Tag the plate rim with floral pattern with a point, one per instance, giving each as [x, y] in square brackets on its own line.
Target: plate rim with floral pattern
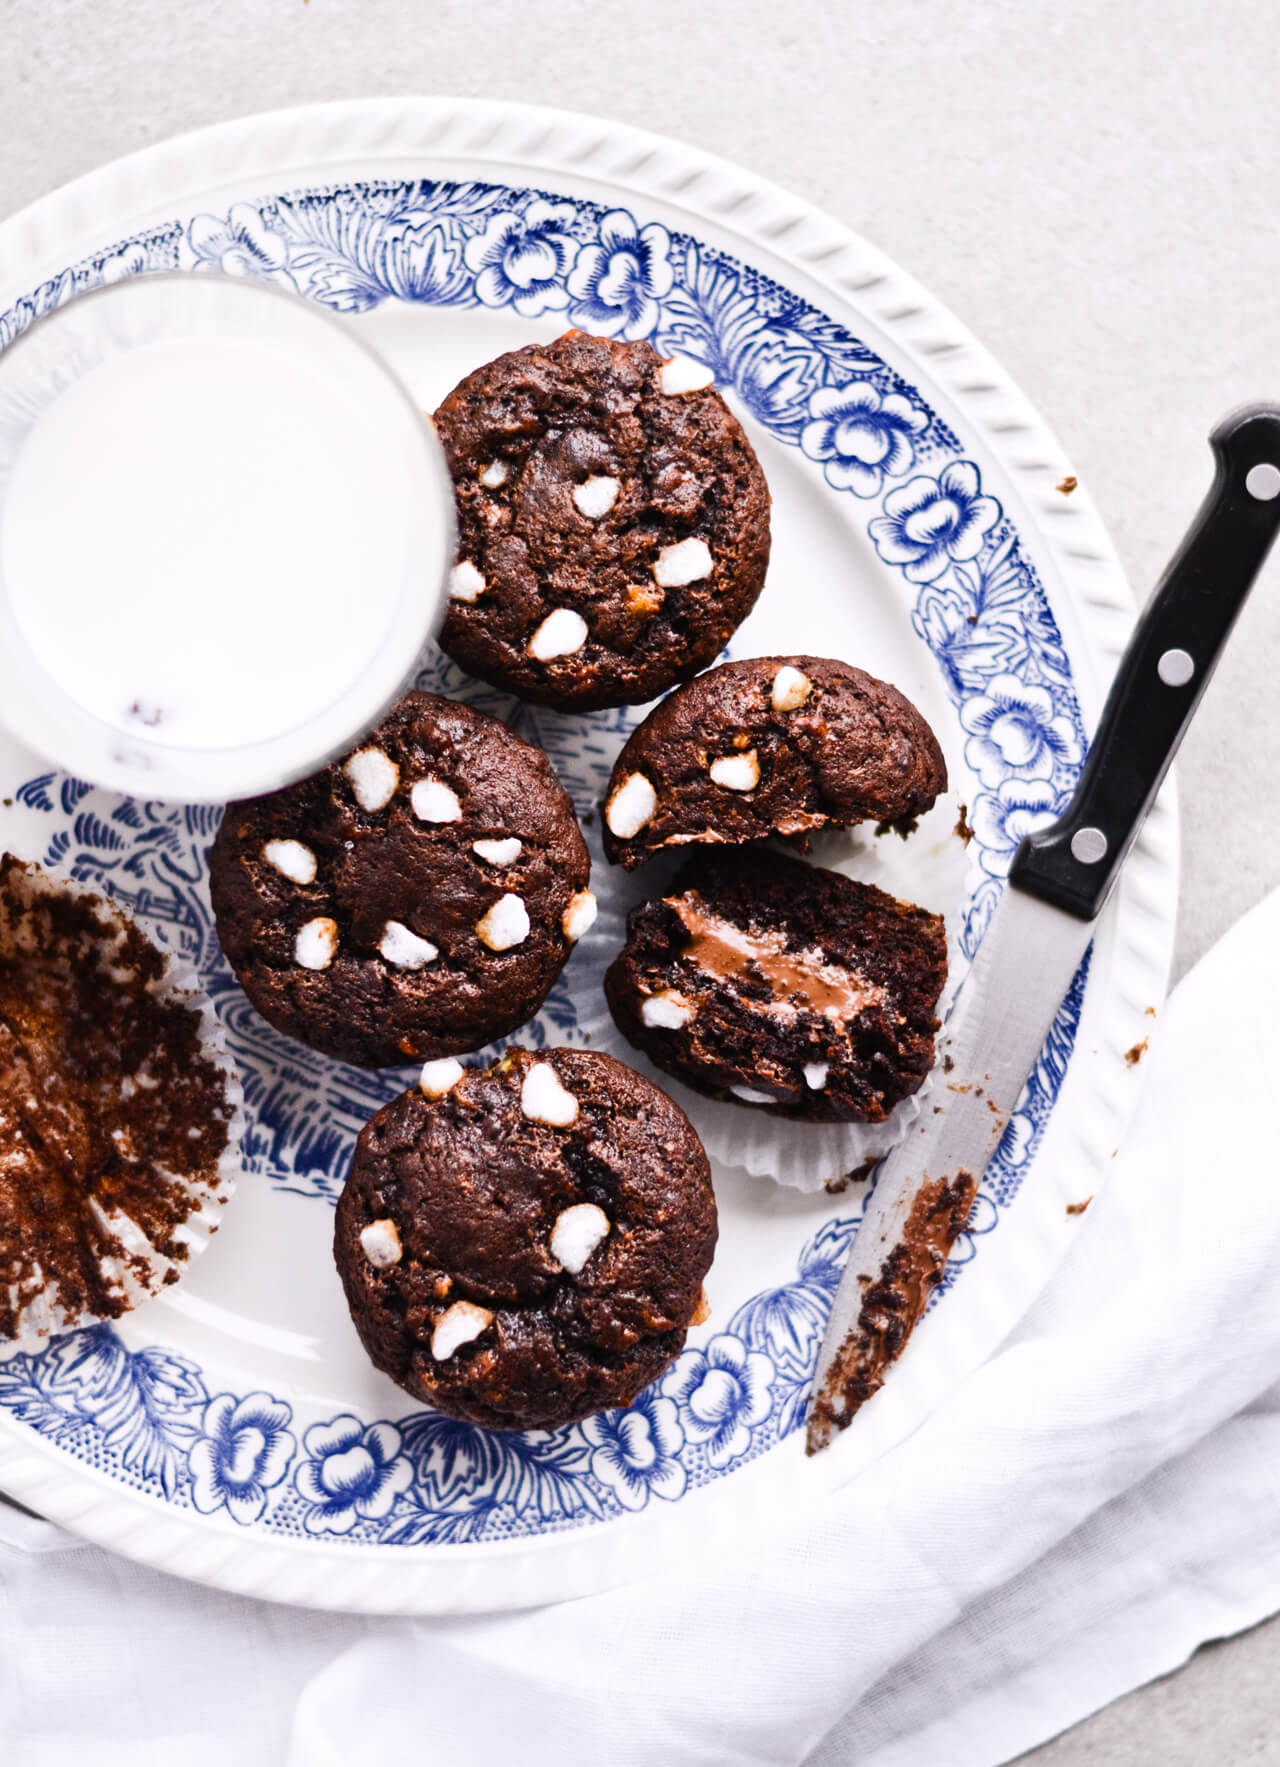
[481, 203]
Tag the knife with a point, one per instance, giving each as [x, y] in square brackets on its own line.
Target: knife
[1059, 881]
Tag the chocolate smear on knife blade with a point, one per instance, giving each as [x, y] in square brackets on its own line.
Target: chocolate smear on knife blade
[892, 1305]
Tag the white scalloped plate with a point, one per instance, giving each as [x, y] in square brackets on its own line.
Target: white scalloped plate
[232, 1431]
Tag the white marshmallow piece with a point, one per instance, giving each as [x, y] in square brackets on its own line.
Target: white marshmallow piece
[465, 582]
[316, 945]
[374, 778]
[737, 772]
[577, 1232]
[434, 801]
[439, 1077]
[791, 688]
[562, 633]
[681, 374]
[292, 860]
[458, 1325]
[544, 1100]
[666, 1011]
[401, 946]
[496, 473]
[631, 806]
[506, 924]
[815, 1075]
[580, 915]
[380, 1243]
[749, 1095]
[504, 852]
[596, 496]
[688, 561]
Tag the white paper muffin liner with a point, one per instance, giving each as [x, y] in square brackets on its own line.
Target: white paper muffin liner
[42, 1313]
[927, 869]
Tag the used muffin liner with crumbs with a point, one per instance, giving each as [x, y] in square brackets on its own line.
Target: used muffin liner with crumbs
[138, 1269]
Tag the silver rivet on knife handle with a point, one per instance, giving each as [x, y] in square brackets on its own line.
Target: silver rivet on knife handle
[1088, 845]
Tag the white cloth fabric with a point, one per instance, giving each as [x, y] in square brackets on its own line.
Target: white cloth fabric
[1098, 1499]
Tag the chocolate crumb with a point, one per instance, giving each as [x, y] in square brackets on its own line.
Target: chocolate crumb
[837, 1186]
[904, 827]
[947, 1064]
[1134, 1056]
[1079, 1208]
[1068, 484]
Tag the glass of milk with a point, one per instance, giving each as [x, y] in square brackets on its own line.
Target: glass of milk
[225, 532]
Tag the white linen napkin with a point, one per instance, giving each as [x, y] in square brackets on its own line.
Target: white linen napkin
[1095, 1501]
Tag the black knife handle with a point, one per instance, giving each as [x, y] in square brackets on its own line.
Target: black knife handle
[1164, 671]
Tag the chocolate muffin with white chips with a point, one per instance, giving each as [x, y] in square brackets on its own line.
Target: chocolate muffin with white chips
[417, 898]
[765, 982]
[613, 522]
[526, 1244]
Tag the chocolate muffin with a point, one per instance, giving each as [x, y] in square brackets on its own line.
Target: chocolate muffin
[768, 982]
[418, 898]
[613, 522]
[770, 746]
[525, 1244]
[119, 1109]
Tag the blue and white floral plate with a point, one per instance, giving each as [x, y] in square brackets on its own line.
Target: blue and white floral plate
[232, 1431]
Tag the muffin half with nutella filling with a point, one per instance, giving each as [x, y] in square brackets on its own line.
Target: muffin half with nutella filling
[763, 981]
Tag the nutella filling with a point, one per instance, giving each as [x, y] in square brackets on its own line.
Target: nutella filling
[802, 981]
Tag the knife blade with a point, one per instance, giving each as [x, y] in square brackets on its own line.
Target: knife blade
[1059, 881]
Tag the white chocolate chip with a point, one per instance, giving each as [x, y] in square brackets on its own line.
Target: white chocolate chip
[506, 924]
[749, 1095]
[404, 948]
[790, 689]
[316, 945]
[737, 772]
[292, 860]
[498, 852]
[681, 374]
[595, 497]
[688, 561]
[439, 1077]
[580, 915]
[434, 801]
[815, 1075]
[544, 1100]
[457, 1325]
[562, 633]
[577, 1232]
[631, 806]
[374, 778]
[666, 1011]
[496, 473]
[465, 582]
[380, 1243]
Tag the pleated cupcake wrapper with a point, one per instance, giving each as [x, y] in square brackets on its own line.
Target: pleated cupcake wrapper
[927, 869]
[42, 1313]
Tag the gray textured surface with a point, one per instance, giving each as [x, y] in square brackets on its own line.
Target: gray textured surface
[1090, 186]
